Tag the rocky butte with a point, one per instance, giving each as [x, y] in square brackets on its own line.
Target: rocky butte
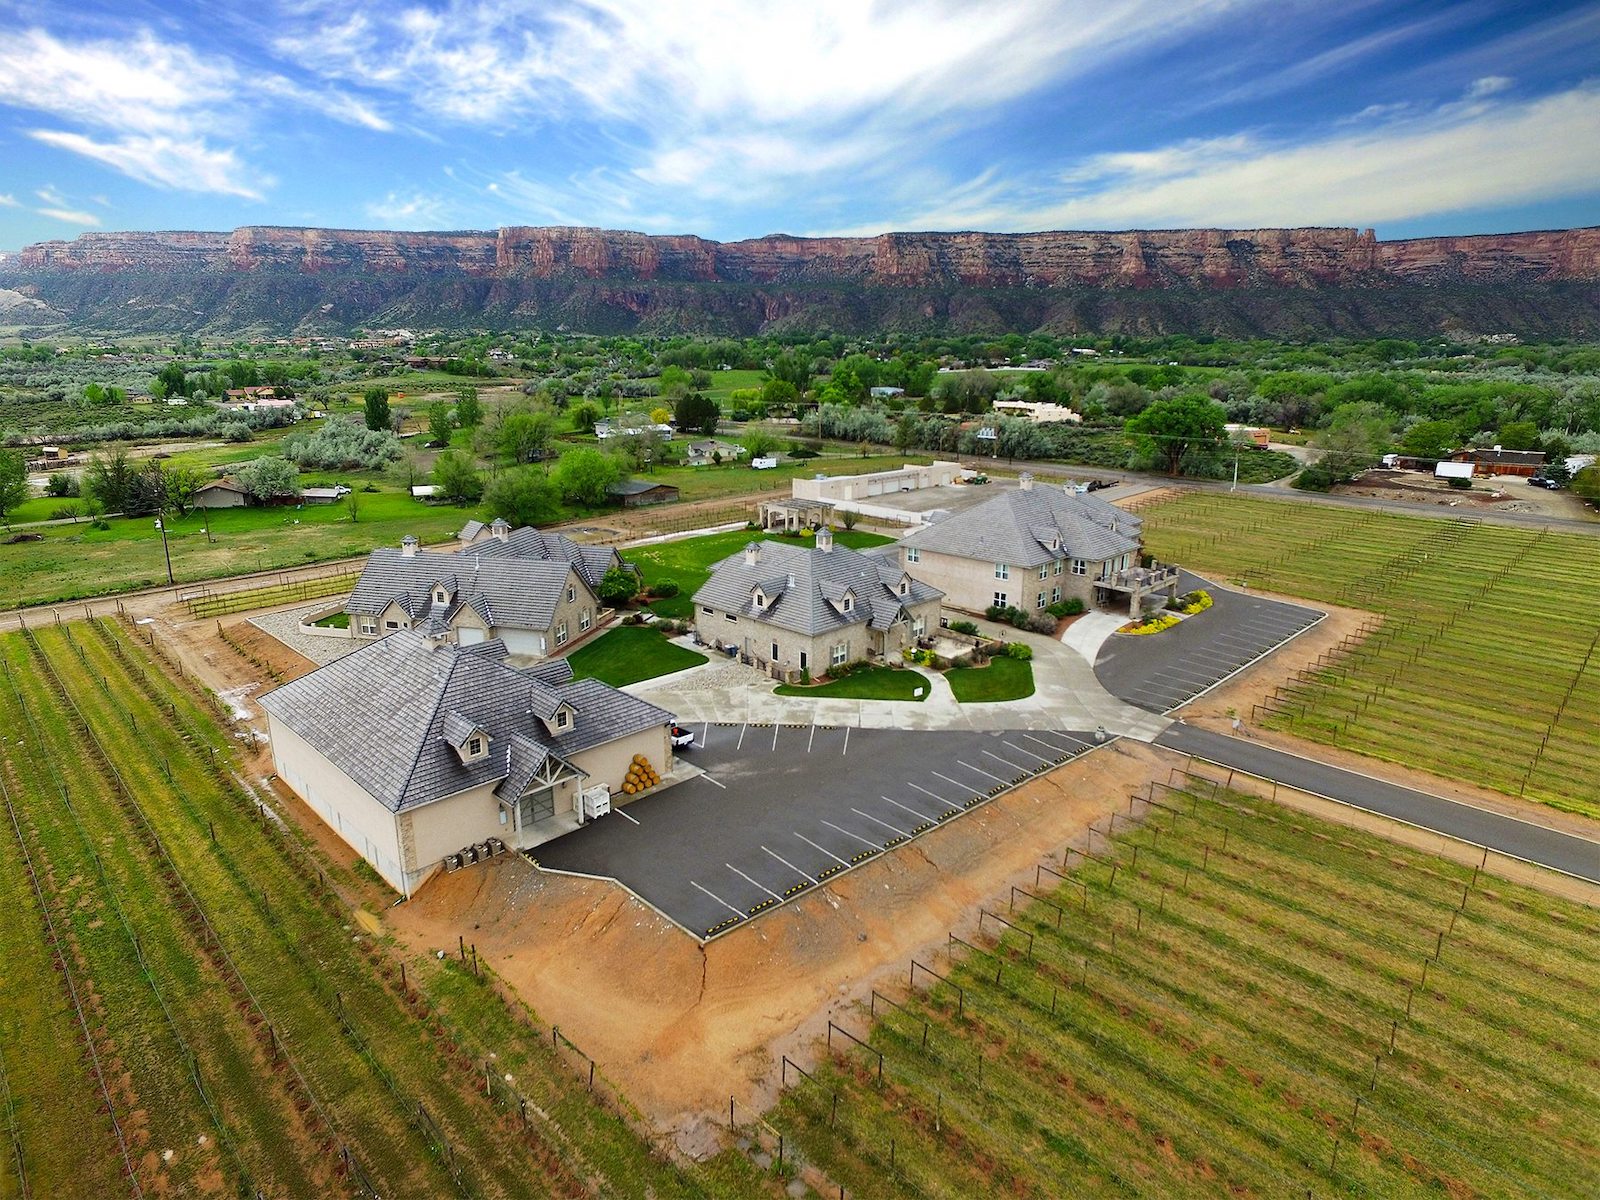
[1283, 282]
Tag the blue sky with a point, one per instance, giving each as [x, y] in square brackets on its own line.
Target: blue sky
[732, 120]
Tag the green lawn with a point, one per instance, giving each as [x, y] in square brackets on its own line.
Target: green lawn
[688, 562]
[77, 560]
[871, 683]
[1002, 679]
[628, 654]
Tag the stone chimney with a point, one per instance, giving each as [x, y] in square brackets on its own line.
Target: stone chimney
[1025, 481]
[825, 540]
[408, 546]
[752, 554]
[500, 529]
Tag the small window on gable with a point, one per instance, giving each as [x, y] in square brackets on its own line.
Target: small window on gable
[474, 747]
[759, 598]
[572, 594]
[441, 596]
[905, 588]
[848, 604]
[563, 718]
[391, 624]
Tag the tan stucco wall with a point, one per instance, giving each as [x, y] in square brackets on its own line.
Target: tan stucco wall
[861, 641]
[970, 585]
[347, 808]
[877, 483]
[451, 824]
[608, 764]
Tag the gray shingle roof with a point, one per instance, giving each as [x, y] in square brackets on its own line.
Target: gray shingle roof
[385, 716]
[507, 591]
[591, 562]
[1014, 527]
[814, 583]
[470, 530]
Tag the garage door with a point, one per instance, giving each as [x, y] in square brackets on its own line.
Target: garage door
[523, 641]
[536, 806]
[469, 636]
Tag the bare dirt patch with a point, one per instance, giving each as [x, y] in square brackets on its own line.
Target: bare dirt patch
[680, 1027]
[1495, 493]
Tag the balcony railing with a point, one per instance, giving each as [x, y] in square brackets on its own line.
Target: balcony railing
[1140, 579]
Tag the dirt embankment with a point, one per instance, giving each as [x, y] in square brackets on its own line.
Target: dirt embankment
[681, 1027]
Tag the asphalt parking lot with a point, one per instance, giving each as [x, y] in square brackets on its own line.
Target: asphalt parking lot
[783, 808]
[1161, 671]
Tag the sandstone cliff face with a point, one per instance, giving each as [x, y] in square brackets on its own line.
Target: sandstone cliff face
[1202, 280]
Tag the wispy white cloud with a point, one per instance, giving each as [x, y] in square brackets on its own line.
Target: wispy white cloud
[187, 164]
[1488, 85]
[9, 201]
[68, 216]
[413, 210]
[1387, 172]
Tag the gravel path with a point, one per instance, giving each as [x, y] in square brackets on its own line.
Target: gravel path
[285, 626]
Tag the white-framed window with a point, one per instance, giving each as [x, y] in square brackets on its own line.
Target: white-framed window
[583, 620]
[919, 626]
[1079, 567]
[913, 554]
[905, 588]
[705, 610]
[1002, 571]
[804, 661]
[836, 658]
[1001, 600]
[730, 617]
[1040, 602]
[474, 747]
[775, 654]
[563, 718]
[369, 627]
[572, 594]
[848, 604]
[441, 596]
[1055, 594]
[391, 624]
[1044, 570]
[1056, 567]
[561, 634]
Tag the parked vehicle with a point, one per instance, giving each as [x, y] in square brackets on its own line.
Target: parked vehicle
[764, 462]
[1544, 481]
[682, 738]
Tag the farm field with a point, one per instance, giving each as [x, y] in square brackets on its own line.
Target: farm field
[197, 1012]
[1227, 999]
[1486, 666]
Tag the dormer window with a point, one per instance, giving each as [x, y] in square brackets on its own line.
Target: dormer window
[440, 596]
[563, 718]
[474, 747]
[848, 604]
[758, 598]
[905, 588]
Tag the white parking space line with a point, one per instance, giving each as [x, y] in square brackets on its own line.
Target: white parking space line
[998, 759]
[757, 882]
[739, 745]
[811, 739]
[705, 734]
[790, 865]
[1029, 753]
[848, 834]
[1048, 745]
[926, 792]
[623, 813]
[907, 808]
[708, 779]
[721, 901]
[885, 824]
[824, 849]
[775, 728]
[846, 749]
[964, 787]
[981, 771]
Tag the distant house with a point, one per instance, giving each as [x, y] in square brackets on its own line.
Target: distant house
[424, 491]
[324, 495]
[534, 597]
[637, 493]
[252, 398]
[793, 609]
[883, 393]
[220, 493]
[412, 749]
[1039, 412]
[1496, 461]
[1034, 547]
[713, 450]
[1453, 470]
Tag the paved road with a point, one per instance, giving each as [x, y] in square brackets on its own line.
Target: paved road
[1505, 835]
[1160, 671]
[782, 807]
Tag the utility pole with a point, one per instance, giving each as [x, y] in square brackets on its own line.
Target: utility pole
[165, 549]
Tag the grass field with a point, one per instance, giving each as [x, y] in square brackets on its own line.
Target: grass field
[630, 653]
[1002, 679]
[1486, 668]
[238, 1031]
[869, 683]
[688, 561]
[1279, 1017]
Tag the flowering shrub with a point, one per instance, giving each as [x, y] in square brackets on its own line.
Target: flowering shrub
[923, 658]
[1195, 602]
[1153, 624]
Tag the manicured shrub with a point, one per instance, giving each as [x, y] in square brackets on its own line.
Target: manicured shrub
[1041, 622]
[1018, 650]
[966, 627]
[664, 589]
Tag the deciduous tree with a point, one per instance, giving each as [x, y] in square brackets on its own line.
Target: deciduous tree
[523, 496]
[1170, 430]
[13, 480]
[375, 408]
[583, 475]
